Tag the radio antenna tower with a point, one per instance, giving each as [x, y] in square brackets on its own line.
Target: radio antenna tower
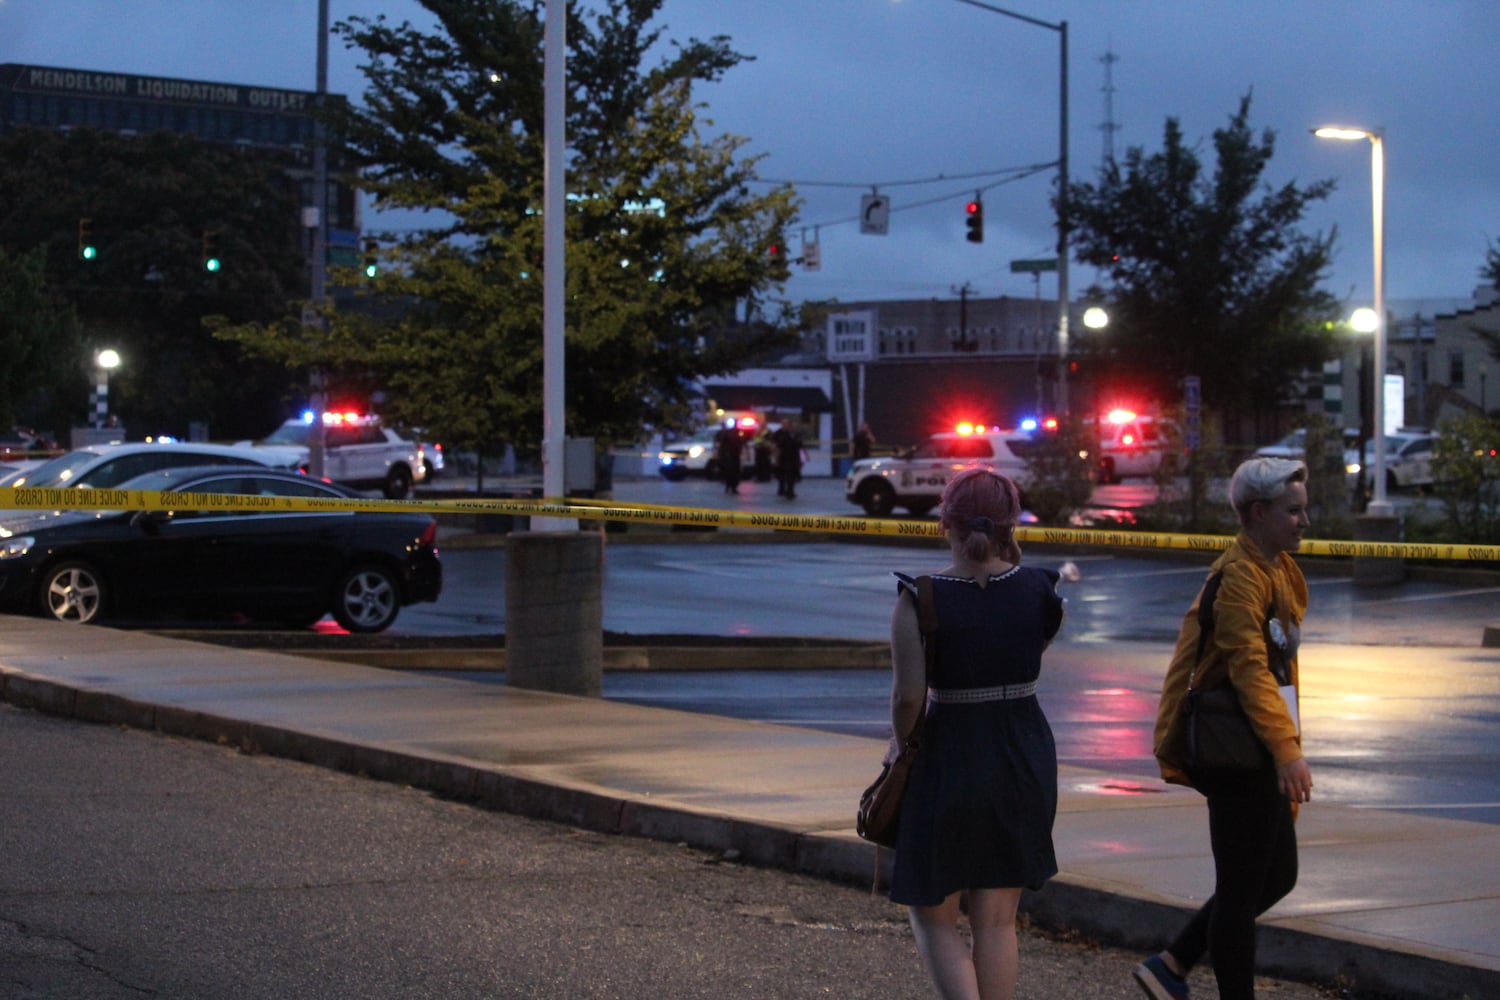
[1110, 126]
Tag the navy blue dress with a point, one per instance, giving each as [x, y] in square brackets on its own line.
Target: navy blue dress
[982, 794]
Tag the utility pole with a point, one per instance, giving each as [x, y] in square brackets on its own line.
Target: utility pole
[315, 437]
[963, 318]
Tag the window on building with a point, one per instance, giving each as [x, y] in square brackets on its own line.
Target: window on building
[1456, 368]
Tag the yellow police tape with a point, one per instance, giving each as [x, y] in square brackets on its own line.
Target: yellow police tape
[48, 498]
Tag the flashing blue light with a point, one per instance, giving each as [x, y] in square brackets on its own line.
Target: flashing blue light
[307, 416]
[1029, 424]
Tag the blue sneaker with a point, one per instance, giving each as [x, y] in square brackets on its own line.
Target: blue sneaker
[1159, 981]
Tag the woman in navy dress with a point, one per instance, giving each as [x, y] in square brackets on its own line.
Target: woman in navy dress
[980, 801]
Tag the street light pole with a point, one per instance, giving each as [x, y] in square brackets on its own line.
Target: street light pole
[104, 362]
[1379, 506]
[1062, 189]
[317, 440]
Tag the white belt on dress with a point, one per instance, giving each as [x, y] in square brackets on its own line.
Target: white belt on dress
[958, 696]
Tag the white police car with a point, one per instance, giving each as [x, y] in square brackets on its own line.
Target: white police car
[357, 451]
[915, 479]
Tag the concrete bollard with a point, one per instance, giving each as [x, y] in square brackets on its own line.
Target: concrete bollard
[554, 611]
[1377, 571]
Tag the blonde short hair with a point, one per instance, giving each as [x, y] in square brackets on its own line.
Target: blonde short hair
[1263, 479]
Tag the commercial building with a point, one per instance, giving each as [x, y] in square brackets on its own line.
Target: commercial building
[252, 117]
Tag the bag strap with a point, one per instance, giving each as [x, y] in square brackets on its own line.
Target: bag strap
[1205, 620]
[1206, 623]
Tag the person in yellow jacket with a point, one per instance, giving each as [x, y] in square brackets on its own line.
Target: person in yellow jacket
[1255, 631]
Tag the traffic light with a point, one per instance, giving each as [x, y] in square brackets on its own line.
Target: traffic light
[974, 220]
[777, 251]
[812, 257]
[371, 258]
[87, 250]
[210, 250]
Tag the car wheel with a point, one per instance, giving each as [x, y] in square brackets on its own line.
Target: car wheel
[366, 600]
[672, 474]
[72, 591]
[711, 469]
[398, 483]
[919, 509]
[878, 498]
[428, 472]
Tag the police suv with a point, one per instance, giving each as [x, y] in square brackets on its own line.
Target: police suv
[357, 451]
[915, 479]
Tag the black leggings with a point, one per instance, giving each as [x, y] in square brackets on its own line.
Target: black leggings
[1255, 864]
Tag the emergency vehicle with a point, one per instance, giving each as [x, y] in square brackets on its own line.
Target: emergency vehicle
[1130, 444]
[357, 451]
[915, 478]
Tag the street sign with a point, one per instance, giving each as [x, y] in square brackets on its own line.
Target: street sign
[874, 214]
[1033, 266]
[1192, 402]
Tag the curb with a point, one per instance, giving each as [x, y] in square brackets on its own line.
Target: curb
[627, 659]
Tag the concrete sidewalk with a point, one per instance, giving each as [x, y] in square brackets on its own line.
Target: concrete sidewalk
[1386, 903]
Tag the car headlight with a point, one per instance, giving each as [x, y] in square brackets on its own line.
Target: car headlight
[15, 545]
[695, 451]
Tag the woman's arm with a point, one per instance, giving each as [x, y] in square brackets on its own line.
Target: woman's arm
[908, 666]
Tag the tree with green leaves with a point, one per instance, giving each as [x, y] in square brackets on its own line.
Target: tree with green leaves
[1207, 274]
[667, 244]
[1490, 272]
[40, 343]
[148, 201]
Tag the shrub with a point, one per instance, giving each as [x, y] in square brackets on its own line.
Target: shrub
[1059, 468]
[1466, 467]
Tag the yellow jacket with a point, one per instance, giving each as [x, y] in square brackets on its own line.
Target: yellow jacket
[1236, 653]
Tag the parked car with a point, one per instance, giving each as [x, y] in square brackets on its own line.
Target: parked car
[1130, 444]
[915, 478]
[432, 460]
[102, 466]
[1408, 460]
[285, 566]
[357, 451]
[698, 456]
[20, 444]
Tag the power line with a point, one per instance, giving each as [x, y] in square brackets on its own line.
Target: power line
[939, 179]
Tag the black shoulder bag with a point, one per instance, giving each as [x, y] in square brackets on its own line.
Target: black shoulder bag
[1219, 734]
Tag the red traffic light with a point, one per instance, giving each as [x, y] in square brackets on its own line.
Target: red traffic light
[974, 221]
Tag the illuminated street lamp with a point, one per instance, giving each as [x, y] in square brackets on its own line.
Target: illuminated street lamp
[1379, 505]
[104, 362]
[1062, 190]
[1095, 318]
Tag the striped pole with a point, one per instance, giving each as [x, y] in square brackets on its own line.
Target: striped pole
[101, 396]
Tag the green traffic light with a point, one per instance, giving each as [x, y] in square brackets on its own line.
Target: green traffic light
[89, 253]
[370, 270]
[211, 264]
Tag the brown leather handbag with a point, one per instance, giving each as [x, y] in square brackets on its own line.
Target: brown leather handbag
[879, 811]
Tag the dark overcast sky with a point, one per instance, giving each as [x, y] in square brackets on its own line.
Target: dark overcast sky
[869, 93]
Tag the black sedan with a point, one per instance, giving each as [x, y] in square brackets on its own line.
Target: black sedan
[279, 566]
